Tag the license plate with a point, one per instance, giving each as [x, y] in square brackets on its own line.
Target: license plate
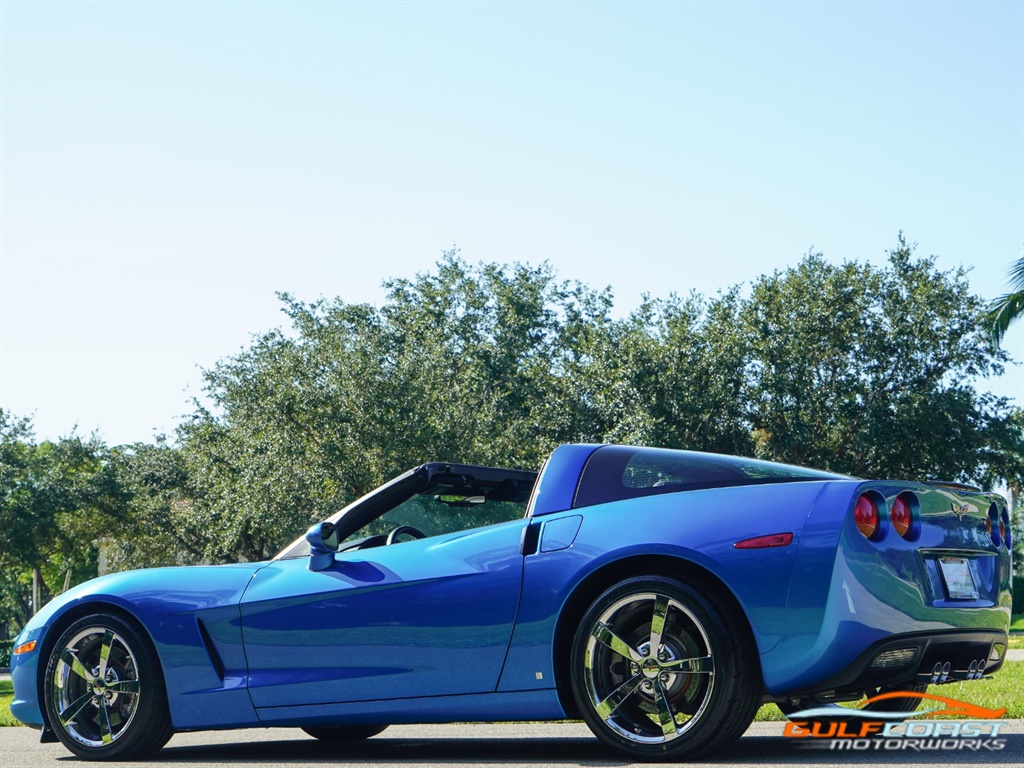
[956, 572]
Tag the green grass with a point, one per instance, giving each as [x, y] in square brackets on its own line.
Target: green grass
[1017, 622]
[1001, 690]
[769, 713]
[6, 694]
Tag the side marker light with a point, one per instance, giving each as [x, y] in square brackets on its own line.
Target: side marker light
[25, 648]
[762, 542]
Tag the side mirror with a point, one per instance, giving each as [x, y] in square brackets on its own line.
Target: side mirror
[323, 543]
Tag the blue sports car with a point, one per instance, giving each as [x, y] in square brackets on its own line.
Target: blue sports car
[659, 595]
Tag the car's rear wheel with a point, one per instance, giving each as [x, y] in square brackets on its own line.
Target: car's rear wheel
[104, 692]
[659, 671]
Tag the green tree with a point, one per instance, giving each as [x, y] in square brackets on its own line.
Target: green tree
[851, 367]
[870, 371]
[58, 500]
[160, 526]
[689, 362]
[16, 521]
[1007, 308]
[456, 365]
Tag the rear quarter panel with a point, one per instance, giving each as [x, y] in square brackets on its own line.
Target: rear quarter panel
[700, 527]
[848, 592]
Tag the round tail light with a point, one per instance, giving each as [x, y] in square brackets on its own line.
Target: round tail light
[865, 514]
[902, 515]
[994, 525]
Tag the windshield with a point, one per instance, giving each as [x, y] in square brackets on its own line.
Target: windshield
[433, 498]
[434, 513]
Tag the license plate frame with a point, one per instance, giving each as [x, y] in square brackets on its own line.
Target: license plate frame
[957, 576]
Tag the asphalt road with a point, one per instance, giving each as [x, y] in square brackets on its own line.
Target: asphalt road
[433, 746]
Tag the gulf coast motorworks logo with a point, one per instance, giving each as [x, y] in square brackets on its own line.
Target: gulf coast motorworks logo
[864, 729]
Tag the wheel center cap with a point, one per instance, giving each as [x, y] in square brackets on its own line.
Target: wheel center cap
[99, 686]
[650, 667]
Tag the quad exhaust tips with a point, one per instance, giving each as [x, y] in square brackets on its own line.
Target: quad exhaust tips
[943, 672]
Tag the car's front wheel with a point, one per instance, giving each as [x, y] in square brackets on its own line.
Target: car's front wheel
[662, 672]
[104, 692]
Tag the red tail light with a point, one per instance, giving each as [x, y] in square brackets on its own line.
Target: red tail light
[902, 515]
[865, 514]
[993, 523]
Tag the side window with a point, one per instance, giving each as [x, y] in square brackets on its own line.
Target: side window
[616, 472]
[660, 469]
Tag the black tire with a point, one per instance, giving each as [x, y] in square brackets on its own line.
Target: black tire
[343, 732]
[104, 691]
[692, 695]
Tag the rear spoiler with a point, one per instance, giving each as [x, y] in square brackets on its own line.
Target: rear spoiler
[952, 486]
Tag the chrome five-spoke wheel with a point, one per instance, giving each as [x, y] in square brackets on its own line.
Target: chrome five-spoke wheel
[653, 661]
[104, 693]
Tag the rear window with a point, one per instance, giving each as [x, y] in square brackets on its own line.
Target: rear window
[616, 472]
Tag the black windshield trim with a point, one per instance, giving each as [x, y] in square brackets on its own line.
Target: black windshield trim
[417, 480]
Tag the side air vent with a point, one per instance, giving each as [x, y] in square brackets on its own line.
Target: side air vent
[215, 659]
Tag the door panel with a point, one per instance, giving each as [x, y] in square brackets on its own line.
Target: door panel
[420, 618]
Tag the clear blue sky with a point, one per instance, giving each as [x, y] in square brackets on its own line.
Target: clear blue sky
[165, 167]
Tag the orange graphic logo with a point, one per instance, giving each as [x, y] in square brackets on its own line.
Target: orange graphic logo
[833, 722]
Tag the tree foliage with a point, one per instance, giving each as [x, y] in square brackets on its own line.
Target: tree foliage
[870, 372]
[58, 500]
[455, 366]
[1009, 307]
[851, 367]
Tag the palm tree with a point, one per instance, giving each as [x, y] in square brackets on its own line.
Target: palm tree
[1007, 308]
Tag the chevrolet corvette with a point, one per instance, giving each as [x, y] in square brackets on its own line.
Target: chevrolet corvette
[662, 596]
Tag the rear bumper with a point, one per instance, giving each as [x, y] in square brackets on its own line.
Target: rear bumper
[922, 658]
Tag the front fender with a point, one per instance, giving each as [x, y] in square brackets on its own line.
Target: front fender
[190, 614]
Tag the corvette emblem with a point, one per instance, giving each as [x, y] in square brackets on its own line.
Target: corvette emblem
[959, 509]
